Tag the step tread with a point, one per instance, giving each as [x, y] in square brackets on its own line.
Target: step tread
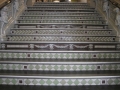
[68, 76]
[63, 62]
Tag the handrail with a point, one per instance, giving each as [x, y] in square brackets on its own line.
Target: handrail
[4, 3]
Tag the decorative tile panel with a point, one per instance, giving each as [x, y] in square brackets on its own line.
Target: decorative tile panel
[59, 67]
[13, 55]
[59, 17]
[66, 32]
[63, 38]
[57, 13]
[62, 21]
[62, 55]
[60, 82]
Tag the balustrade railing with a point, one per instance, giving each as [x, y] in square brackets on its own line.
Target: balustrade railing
[8, 14]
[111, 11]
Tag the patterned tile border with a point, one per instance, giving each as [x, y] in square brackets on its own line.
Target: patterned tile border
[59, 82]
[62, 38]
[52, 67]
[62, 55]
[92, 32]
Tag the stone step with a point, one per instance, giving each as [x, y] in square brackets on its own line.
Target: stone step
[59, 54]
[64, 38]
[59, 80]
[60, 25]
[55, 66]
[61, 10]
[59, 13]
[32, 45]
[62, 18]
[59, 6]
[38, 2]
[84, 21]
[61, 3]
[34, 7]
[50, 72]
[66, 17]
[63, 31]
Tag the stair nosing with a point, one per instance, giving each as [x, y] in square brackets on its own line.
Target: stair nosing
[59, 77]
[70, 12]
[57, 63]
[87, 9]
[63, 19]
[61, 15]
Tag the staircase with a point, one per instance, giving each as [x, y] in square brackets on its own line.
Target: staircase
[59, 46]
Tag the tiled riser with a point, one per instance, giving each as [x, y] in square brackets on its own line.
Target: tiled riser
[62, 55]
[48, 67]
[61, 32]
[63, 9]
[59, 17]
[89, 46]
[59, 82]
[61, 38]
[59, 8]
[53, 13]
[60, 4]
[60, 21]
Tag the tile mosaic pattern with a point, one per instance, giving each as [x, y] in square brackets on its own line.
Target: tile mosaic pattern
[59, 82]
[98, 32]
[54, 13]
[62, 21]
[58, 67]
[61, 38]
[62, 55]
